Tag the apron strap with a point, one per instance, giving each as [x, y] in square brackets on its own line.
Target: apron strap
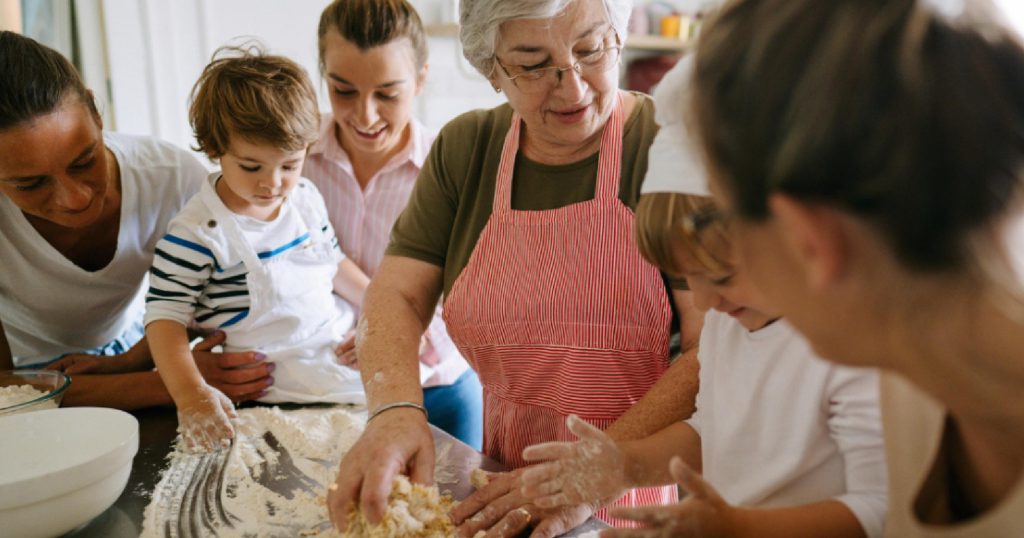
[608, 166]
[503, 185]
[236, 238]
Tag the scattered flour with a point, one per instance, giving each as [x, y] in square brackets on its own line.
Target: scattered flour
[314, 440]
[19, 394]
[446, 471]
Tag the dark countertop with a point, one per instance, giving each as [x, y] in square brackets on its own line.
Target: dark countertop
[157, 431]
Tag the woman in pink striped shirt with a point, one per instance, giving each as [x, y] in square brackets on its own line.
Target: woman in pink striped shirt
[366, 162]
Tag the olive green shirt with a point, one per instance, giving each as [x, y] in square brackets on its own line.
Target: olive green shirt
[454, 193]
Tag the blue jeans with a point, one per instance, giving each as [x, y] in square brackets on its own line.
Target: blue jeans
[458, 409]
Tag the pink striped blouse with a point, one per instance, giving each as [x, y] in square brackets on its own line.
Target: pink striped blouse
[363, 220]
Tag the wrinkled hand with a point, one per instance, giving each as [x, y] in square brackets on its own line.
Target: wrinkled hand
[241, 376]
[588, 471]
[82, 363]
[398, 441]
[204, 420]
[702, 514]
[500, 509]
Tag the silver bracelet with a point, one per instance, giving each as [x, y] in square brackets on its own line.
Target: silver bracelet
[396, 405]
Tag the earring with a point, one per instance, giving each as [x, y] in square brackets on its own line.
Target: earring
[497, 89]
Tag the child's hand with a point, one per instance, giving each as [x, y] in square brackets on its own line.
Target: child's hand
[702, 514]
[346, 351]
[204, 420]
[590, 470]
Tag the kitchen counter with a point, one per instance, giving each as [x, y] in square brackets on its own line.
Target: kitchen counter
[156, 433]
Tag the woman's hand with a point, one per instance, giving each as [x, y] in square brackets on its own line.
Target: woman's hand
[500, 509]
[590, 470]
[702, 514]
[204, 420]
[396, 441]
[240, 375]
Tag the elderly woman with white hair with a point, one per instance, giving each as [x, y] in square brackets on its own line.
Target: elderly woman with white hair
[521, 218]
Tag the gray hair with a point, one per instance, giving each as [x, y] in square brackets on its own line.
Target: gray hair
[479, 21]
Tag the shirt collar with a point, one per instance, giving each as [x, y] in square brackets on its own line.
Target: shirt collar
[415, 151]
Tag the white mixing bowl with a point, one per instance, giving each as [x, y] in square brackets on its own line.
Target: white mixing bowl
[59, 468]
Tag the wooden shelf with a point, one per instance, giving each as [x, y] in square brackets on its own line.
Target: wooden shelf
[637, 42]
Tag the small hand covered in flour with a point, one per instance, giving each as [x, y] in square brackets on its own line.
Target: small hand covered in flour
[703, 513]
[499, 510]
[204, 420]
[588, 471]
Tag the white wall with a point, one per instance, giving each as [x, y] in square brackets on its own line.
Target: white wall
[157, 49]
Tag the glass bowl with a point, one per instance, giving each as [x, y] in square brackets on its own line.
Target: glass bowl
[49, 384]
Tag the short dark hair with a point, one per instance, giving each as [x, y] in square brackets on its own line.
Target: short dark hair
[36, 79]
[371, 23]
[911, 121]
[257, 96]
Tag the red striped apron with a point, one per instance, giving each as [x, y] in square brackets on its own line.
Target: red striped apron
[559, 314]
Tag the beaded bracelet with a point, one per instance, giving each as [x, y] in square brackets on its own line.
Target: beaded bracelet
[396, 405]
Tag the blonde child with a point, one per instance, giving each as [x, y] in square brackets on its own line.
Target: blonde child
[792, 444]
[253, 254]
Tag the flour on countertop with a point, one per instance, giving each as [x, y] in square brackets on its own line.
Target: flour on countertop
[19, 394]
[314, 439]
[312, 442]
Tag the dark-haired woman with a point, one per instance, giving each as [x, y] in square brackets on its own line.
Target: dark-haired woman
[869, 156]
[81, 211]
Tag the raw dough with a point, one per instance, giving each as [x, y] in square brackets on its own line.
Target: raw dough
[414, 511]
[478, 478]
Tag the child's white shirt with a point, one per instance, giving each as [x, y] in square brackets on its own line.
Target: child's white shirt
[781, 427]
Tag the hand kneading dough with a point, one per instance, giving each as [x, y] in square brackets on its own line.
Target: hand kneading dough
[414, 511]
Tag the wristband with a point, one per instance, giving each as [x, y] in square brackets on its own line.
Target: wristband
[396, 405]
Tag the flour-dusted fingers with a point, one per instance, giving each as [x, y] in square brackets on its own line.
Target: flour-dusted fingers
[510, 526]
[552, 450]
[373, 497]
[498, 485]
[542, 479]
[391, 443]
[342, 495]
[585, 430]
[559, 521]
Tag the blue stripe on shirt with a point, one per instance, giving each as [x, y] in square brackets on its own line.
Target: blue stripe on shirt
[241, 315]
[298, 241]
[189, 244]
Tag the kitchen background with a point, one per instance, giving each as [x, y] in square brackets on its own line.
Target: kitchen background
[141, 57]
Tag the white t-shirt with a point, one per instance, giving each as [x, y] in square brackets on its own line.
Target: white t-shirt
[781, 427]
[50, 306]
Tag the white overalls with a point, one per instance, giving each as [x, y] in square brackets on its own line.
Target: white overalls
[294, 318]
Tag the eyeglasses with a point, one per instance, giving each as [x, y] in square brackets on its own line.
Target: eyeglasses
[542, 79]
